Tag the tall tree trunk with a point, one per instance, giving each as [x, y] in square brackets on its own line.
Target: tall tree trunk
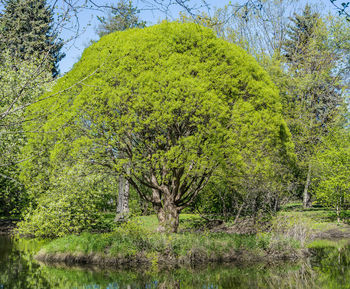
[338, 208]
[306, 195]
[123, 199]
[338, 214]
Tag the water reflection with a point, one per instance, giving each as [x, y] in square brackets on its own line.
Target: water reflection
[329, 268]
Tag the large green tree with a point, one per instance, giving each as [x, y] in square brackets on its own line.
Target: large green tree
[173, 102]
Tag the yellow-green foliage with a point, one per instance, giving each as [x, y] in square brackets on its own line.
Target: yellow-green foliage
[333, 171]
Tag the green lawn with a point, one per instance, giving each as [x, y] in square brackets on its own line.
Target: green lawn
[186, 221]
[316, 218]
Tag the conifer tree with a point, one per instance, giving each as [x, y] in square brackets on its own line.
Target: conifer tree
[300, 33]
[26, 30]
[123, 16]
[29, 55]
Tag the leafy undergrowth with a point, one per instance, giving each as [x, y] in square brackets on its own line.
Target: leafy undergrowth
[132, 242]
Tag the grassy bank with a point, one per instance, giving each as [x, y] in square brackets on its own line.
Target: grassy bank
[133, 244]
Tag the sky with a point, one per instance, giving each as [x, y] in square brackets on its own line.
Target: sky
[88, 22]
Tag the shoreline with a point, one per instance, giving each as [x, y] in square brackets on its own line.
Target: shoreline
[141, 260]
[191, 249]
[7, 226]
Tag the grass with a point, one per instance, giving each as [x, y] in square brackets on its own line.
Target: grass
[317, 218]
[186, 221]
[138, 241]
[328, 243]
[314, 228]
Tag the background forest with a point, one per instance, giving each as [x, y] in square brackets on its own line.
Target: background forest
[70, 163]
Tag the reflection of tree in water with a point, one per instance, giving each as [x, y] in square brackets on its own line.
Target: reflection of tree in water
[17, 269]
[328, 269]
[333, 266]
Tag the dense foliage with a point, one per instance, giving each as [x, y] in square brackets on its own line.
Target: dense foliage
[19, 87]
[333, 163]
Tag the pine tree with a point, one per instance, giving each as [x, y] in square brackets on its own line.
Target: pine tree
[300, 32]
[122, 17]
[26, 30]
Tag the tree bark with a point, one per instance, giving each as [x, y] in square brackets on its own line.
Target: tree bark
[338, 214]
[168, 219]
[123, 199]
[306, 195]
[167, 213]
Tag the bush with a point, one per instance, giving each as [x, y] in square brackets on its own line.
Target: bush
[60, 213]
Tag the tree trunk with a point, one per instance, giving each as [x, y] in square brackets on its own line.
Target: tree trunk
[238, 213]
[306, 196]
[338, 214]
[168, 215]
[168, 219]
[338, 210]
[123, 200]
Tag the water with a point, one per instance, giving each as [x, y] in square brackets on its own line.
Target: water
[328, 268]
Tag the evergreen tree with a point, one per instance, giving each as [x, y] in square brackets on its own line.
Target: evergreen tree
[30, 52]
[26, 30]
[300, 32]
[122, 17]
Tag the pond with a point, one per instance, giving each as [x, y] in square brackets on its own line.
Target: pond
[327, 268]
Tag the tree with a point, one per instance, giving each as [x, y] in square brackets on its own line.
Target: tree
[333, 171]
[30, 51]
[26, 30]
[174, 107]
[315, 95]
[300, 34]
[122, 17]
